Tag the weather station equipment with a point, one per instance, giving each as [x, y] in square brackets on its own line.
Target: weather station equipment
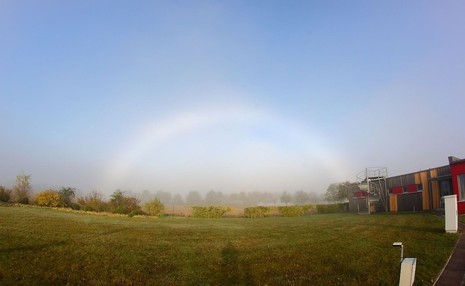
[451, 214]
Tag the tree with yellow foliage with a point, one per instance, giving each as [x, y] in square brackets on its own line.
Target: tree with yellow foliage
[49, 198]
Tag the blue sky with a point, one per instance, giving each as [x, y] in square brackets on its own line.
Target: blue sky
[227, 95]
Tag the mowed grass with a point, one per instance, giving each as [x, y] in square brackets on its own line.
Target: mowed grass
[41, 246]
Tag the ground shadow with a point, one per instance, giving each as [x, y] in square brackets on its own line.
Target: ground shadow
[34, 248]
[232, 270]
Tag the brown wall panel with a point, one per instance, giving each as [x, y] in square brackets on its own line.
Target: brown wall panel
[417, 178]
[393, 203]
[424, 182]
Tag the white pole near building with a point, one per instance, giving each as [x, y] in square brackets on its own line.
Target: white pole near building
[451, 213]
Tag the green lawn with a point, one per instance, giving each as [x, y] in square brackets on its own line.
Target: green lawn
[53, 247]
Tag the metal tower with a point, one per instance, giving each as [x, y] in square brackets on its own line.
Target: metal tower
[373, 181]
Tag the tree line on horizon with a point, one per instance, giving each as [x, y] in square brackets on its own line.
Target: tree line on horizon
[154, 203]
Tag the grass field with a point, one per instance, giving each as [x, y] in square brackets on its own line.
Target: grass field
[41, 246]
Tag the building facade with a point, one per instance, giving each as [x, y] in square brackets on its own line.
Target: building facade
[418, 191]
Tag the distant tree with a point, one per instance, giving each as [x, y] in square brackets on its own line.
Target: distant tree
[22, 189]
[154, 207]
[214, 198]
[67, 194]
[285, 197]
[178, 200]
[244, 199]
[300, 197]
[123, 204]
[165, 197]
[269, 198]
[5, 194]
[233, 199]
[145, 196]
[314, 197]
[337, 192]
[256, 197]
[50, 198]
[194, 198]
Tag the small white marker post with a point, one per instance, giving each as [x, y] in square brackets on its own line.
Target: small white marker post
[399, 244]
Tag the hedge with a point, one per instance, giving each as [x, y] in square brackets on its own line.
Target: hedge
[209, 212]
[254, 212]
[332, 208]
[291, 211]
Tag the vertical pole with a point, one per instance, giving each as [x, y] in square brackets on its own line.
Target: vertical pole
[386, 193]
[368, 191]
[401, 253]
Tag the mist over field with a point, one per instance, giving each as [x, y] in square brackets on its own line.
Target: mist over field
[227, 97]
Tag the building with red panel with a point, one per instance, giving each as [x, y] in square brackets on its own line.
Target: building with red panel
[457, 171]
[418, 191]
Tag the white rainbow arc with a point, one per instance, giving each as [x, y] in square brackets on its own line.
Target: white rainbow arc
[166, 130]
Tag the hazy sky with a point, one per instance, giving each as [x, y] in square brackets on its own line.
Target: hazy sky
[227, 95]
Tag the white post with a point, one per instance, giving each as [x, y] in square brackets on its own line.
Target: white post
[451, 214]
[407, 271]
[407, 267]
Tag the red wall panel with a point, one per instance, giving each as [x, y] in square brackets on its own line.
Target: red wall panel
[397, 190]
[412, 188]
[461, 207]
[455, 170]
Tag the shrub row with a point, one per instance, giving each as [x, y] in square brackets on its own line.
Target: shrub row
[291, 211]
[209, 212]
[332, 208]
[294, 211]
[254, 212]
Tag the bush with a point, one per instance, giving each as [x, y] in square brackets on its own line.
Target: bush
[332, 208]
[209, 212]
[155, 207]
[136, 212]
[67, 195]
[123, 204]
[291, 211]
[5, 194]
[75, 206]
[94, 202]
[23, 200]
[254, 212]
[49, 198]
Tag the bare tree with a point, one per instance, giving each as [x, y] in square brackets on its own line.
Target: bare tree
[22, 189]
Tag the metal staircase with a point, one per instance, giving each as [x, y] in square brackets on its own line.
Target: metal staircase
[373, 181]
